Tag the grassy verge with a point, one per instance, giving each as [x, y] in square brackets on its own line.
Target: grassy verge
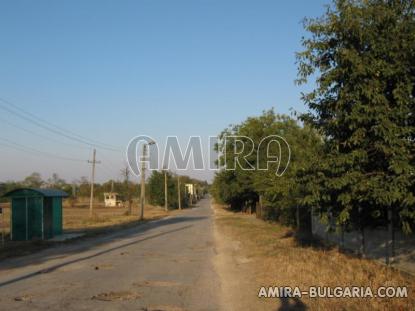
[279, 259]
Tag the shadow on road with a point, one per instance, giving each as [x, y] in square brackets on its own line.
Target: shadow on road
[66, 249]
[53, 268]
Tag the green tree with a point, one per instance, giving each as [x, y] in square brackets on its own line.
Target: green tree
[34, 180]
[56, 182]
[156, 189]
[362, 54]
[280, 192]
[84, 187]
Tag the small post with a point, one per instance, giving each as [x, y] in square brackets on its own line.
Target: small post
[178, 192]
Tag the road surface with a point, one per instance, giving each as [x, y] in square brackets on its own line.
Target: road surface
[162, 265]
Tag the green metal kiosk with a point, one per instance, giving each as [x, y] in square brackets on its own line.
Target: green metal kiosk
[35, 213]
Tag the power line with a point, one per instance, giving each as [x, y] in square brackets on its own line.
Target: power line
[26, 149]
[107, 171]
[110, 165]
[42, 136]
[52, 127]
[110, 169]
[53, 130]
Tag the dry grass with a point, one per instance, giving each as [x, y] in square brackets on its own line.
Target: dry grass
[5, 217]
[77, 219]
[280, 260]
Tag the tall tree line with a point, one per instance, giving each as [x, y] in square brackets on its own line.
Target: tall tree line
[353, 150]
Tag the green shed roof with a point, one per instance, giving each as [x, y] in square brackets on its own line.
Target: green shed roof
[32, 191]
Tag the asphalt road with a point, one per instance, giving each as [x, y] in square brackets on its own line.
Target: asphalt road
[161, 265]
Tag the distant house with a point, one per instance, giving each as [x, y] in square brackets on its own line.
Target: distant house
[190, 189]
[113, 199]
[192, 193]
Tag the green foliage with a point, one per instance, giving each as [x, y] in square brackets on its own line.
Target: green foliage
[363, 58]
[155, 186]
[127, 190]
[240, 188]
[34, 180]
[82, 187]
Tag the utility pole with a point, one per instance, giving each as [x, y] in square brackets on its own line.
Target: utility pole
[143, 179]
[73, 195]
[126, 174]
[143, 183]
[91, 200]
[166, 205]
[178, 192]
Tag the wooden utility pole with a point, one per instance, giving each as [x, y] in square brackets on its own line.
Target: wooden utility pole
[143, 183]
[73, 201]
[166, 204]
[178, 192]
[143, 179]
[126, 174]
[91, 200]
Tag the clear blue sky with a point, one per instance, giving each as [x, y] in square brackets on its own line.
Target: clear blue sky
[111, 70]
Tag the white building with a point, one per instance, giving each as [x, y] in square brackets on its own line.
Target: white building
[190, 189]
[112, 199]
[192, 192]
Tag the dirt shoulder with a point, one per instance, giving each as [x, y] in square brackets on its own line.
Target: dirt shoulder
[253, 253]
[235, 268]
